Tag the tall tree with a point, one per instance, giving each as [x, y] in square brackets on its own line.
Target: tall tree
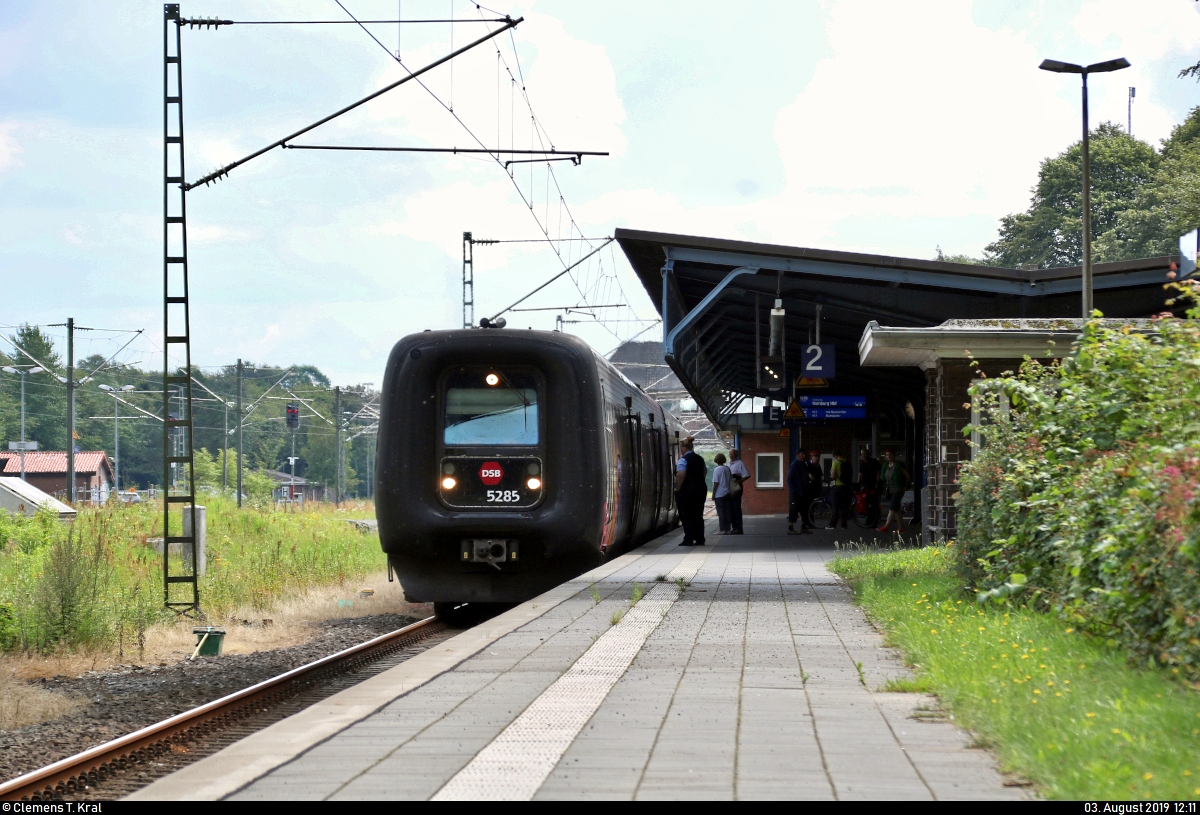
[1165, 207]
[45, 396]
[1049, 234]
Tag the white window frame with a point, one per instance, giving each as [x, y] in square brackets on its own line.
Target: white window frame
[768, 485]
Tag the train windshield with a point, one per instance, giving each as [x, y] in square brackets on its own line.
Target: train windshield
[491, 407]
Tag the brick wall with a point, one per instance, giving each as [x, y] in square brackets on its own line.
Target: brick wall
[825, 438]
[757, 501]
[947, 412]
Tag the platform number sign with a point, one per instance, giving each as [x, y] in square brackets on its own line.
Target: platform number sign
[818, 362]
[491, 473]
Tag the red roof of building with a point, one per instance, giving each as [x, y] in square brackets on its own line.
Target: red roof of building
[51, 462]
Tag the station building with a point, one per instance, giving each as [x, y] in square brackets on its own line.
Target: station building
[891, 337]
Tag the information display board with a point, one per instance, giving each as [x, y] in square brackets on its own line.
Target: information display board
[833, 407]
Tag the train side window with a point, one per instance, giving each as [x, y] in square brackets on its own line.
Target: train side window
[768, 471]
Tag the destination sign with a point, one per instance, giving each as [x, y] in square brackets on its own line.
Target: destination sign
[826, 401]
[833, 407]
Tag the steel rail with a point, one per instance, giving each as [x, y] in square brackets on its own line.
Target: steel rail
[97, 762]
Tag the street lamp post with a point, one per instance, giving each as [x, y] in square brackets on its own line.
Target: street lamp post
[116, 431]
[34, 370]
[1083, 70]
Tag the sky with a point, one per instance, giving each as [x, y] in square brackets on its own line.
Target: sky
[845, 124]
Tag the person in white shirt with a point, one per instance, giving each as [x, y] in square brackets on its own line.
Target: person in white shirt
[739, 475]
[721, 480]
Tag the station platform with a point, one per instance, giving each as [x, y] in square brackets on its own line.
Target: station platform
[745, 671]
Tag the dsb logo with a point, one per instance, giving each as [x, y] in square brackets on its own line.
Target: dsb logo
[491, 473]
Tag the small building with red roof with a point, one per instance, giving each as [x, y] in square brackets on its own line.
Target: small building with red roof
[47, 470]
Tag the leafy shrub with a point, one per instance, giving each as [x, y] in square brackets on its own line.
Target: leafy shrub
[8, 627]
[1085, 498]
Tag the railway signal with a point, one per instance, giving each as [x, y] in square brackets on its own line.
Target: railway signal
[293, 415]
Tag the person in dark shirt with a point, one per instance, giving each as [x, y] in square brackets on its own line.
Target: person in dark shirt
[799, 493]
[690, 492]
[868, 480]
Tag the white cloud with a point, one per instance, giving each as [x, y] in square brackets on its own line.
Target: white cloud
[10, 148]
[205, 234]
[919, 102]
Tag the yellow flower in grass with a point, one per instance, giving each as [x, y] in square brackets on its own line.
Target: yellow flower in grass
[1091, 715]
[1116, 731]
[933, 631]
[1147, 776]
[1038, 692]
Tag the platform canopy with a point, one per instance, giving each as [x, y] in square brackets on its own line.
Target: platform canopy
[715, 295]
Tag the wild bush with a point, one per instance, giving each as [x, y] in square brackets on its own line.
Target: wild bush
[1084, 498]
[68, 602]
[8, 627]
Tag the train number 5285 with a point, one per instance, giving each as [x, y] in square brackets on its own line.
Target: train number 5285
[503, 496]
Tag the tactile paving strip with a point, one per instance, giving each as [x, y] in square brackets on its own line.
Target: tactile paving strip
[516, 763]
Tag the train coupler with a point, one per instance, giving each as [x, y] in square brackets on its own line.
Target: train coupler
[492, 551]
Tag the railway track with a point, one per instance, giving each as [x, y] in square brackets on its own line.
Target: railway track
[132, 761]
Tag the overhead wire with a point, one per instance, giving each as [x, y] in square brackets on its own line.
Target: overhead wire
[587, 288]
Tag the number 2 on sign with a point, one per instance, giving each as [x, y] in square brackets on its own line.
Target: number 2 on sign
[819, 362]
[503, 496]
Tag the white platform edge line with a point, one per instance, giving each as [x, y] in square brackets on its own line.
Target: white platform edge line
[514, 765]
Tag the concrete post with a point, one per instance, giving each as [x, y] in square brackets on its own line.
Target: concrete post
[201, 539]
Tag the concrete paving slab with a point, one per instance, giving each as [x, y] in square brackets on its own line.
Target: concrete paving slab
[745, 685]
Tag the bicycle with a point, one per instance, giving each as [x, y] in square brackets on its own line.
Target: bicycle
[820, 511]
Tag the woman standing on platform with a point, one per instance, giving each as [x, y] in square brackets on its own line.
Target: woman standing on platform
[739, 475]
[721, 482]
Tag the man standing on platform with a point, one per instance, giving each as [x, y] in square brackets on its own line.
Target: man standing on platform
[868, 480]
[690, 492]
[799, 494]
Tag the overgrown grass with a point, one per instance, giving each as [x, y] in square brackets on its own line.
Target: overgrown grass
[98, 584]
[1059, 707]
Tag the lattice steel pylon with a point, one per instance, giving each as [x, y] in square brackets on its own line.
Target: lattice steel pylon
[468, 280]
[181, 586]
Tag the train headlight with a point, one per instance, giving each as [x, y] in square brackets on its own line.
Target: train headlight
[534, 483]
[449, 483]
[492, 380]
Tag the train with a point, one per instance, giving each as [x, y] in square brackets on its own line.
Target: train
[512, 460]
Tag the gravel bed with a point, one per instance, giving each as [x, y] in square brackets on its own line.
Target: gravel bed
[135, 696]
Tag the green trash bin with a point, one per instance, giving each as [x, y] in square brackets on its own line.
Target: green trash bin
[209, 640]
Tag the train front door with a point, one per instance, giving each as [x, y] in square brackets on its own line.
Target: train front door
[633, 423]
